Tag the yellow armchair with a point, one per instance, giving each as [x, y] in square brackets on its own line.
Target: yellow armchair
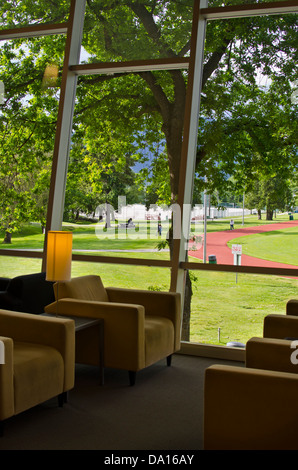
[250, 409]
[140, 327]
[253, 407]
[38, 362]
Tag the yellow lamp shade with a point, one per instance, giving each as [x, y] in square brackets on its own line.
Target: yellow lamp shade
[59, 255]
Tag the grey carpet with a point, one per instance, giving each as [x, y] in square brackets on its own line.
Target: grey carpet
[163, 411]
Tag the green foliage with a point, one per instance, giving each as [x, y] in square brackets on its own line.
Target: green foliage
[136, 30]
[246, 131]
[248, 127]
[272, 194]
[158, 288]
[14, 13]
[27, 129]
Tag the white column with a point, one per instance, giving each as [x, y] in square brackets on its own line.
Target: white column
[197, 56]
[65, 115]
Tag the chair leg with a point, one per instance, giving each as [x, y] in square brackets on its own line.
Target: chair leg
[132, 377]
[169, 360]
[62, 398]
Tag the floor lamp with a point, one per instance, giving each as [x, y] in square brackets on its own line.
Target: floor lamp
[59, 255]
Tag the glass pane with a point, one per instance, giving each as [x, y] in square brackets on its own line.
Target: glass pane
[230, 308]
[30, 80]
[10, 266]
[245, 197]
[20, 13]
[220, 3]
[119, 190]
[119, 31]
[114, 275]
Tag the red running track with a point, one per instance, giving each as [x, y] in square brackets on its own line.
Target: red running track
[217, 245]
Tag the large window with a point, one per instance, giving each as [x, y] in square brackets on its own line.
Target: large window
[123, 122]
[229, 308]
[245, 187]
[30, 77]
[125, 31]
[245, 192]
[118, 173]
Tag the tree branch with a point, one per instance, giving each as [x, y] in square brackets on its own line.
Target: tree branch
[153, 31]
[212, 64]
[158, 93]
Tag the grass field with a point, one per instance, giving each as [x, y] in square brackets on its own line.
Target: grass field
[225, 307]
[278, 245]
[236, 305]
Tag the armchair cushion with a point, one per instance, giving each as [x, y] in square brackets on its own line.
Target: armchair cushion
[40, 365]
[84, 288]
[164, 304]
[158, 331]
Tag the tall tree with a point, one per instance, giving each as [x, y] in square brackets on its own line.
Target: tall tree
[149, 106]
[270, 194]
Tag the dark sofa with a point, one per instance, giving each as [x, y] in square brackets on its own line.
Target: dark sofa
[28, 293]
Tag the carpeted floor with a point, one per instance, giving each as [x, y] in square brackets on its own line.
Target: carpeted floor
[163, 411]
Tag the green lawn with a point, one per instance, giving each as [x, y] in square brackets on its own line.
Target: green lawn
[279, 245]
[235, 304]
[92, 237]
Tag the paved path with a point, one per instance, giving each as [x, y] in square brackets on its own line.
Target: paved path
[217, 245]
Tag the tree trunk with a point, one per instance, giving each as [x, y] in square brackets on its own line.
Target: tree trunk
[259, 214]
[172, 113]
[185, 333]
[269, 214]
[7, 238]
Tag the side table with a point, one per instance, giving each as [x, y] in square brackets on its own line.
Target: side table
[84, 322]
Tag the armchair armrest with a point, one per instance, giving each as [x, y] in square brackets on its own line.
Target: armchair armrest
[56, 332]
[270, 354]
[4, 281]
[124, 326]
[250, 409]
[165, 304]
[6, 380]
[280, 326]
[292, 307]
